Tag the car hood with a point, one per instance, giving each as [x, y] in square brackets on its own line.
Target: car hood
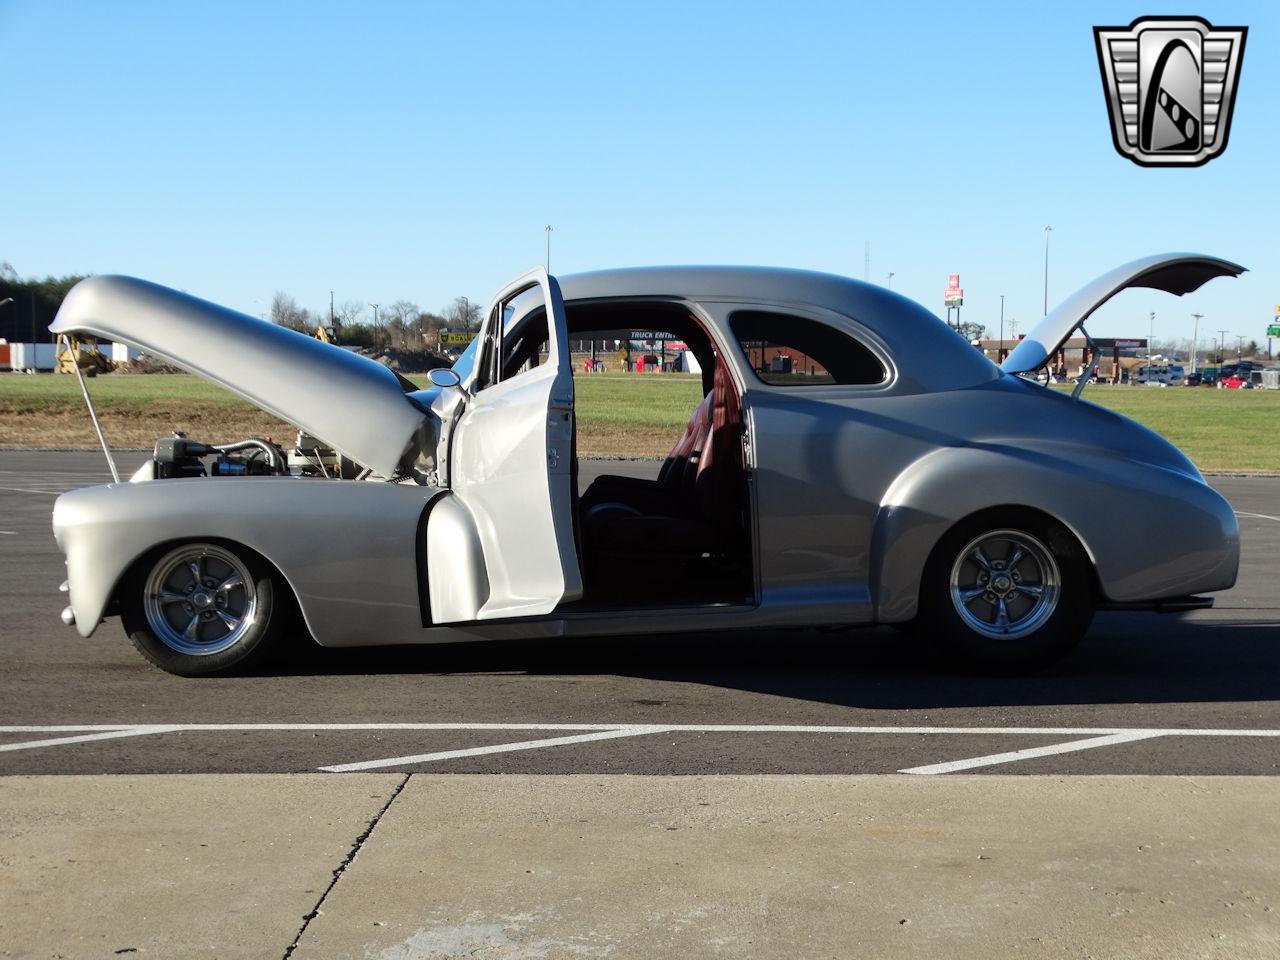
[1175, 273]
[351, 402]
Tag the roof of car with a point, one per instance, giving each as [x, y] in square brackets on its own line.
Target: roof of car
[925, 349]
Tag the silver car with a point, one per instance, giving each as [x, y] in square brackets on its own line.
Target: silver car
[853, 462]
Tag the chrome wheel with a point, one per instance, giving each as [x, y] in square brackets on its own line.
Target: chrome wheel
[200, 599]
[1005, 584]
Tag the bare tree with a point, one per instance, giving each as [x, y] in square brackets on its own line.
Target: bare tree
[349, 311]
[402, 312]
[463, 314]
[286, 312]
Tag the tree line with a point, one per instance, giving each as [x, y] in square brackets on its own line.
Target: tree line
[400, 325]
[33, 302]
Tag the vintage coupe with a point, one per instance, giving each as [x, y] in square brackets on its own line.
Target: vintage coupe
[854, 462]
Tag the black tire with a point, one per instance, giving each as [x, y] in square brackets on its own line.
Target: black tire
[1036, 633]
[213, 647]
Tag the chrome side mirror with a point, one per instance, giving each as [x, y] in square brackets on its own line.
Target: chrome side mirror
[443, 377]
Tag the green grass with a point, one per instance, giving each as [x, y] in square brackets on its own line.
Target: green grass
[618, 414]
[1218, 429]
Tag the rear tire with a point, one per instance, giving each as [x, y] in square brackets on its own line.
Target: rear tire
[1008, 592]
[201, 609]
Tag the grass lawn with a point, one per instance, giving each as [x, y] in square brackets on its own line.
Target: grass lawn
[618, 414]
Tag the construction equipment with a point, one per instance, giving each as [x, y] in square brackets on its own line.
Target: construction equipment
[85, 354]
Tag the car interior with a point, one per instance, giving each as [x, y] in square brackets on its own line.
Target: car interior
[682, 538]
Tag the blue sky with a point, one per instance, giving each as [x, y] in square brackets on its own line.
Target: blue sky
[417, 150]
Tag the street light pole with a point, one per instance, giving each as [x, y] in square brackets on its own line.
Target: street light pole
[1047, 230]
[1151, 346]
[888, 279]
[548, 248]
[375, 315]
[1222, 345]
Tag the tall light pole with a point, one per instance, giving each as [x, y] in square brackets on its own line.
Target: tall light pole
[1222, 345]
[1195, 334]
[888, 279]
[1000, 347]
[375, 314]
[1239, 345]
[1151, 345]
[1047, 230]
[548, 248]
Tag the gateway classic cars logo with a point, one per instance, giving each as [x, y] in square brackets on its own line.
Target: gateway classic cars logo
[1170, 84]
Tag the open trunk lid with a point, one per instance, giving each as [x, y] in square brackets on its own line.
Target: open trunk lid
[351, 402]
[1175, 273]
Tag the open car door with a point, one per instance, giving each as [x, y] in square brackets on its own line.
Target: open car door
[511, 456]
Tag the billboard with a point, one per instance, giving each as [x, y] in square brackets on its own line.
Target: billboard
[954, 297]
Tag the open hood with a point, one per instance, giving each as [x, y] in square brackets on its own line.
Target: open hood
[1175, 273]
[351, 402]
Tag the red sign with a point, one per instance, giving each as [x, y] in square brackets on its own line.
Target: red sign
[953, 281]
[952, 295]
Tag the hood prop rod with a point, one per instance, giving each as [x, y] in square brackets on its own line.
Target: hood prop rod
[1087, 375]
[93, 414]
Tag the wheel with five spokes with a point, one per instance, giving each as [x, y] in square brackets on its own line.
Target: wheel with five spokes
[200, 608]
[1011, 590]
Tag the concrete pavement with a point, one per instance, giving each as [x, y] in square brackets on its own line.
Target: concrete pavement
[639, 867]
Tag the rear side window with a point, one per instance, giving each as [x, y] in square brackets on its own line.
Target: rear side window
[790, 351]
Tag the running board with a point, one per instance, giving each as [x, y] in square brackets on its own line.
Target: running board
[1168, 605]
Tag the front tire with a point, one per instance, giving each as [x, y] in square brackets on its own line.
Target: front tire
[1009, 592]
[201, 609]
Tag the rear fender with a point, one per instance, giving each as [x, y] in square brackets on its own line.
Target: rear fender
[1149, 531]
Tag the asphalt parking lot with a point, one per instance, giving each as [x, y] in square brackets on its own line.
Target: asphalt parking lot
[1144, 694]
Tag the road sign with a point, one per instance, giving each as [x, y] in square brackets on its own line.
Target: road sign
[1273, 331]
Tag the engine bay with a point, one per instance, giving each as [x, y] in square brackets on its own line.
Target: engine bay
[179, 456]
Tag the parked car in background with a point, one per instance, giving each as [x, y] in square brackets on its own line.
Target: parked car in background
[1176, 375]
[889, 473]
[1194, 379]
[1235, 382]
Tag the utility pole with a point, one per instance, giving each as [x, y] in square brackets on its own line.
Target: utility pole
[548, 248]
[1047, 230]
[1000, 345]
[888, 279]
[1239, 345]
[375, 315]
[1195, 333]
[866, 262]
[1222, 345]
[1013, 328]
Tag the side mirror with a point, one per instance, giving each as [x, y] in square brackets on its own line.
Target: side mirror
[443, 377]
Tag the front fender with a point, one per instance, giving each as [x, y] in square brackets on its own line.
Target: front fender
[346, 548]
[1150, 531]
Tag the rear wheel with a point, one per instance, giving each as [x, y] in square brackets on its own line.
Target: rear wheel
[201, 609]
[1009, 592]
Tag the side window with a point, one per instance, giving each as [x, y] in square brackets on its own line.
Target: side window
[790, 351]
[523, 342]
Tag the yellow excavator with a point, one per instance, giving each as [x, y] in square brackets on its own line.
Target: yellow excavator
[85, 354]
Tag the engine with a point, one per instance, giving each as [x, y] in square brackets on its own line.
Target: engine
[180, 456]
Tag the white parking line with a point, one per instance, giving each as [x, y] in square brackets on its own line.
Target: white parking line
[571, 733]
[85, 738]
[493, 748]
[1027, 754]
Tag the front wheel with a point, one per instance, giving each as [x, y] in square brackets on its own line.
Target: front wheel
[1009, 592]
[200, 609]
